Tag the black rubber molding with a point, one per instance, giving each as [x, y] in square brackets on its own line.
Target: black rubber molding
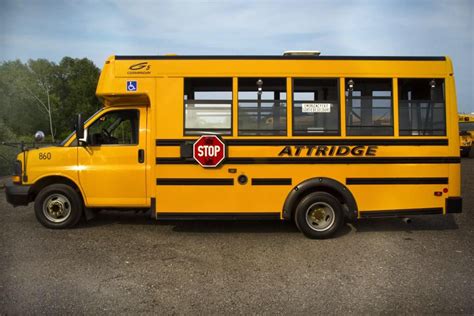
[194, 181]
[371, 181]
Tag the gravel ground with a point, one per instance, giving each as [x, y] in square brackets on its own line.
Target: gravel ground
[126, 263]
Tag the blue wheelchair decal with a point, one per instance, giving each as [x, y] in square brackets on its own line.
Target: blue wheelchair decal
[131, 86]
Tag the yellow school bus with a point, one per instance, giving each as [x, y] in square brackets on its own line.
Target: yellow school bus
[466, 133]
[318, 140]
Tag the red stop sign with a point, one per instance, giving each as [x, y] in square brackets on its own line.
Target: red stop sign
[209, 151]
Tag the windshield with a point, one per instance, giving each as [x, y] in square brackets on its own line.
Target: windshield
[74, 132]
[466, 126]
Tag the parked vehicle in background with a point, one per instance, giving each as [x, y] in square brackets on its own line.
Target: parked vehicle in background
[466, 133]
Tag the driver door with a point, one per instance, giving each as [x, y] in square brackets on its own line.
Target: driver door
[112, 165]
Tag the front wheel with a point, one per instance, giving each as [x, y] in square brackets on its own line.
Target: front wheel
[319, 215]
[58, 206]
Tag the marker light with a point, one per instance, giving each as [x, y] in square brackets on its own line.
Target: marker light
[16, 179]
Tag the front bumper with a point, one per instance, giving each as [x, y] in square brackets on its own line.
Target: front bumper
[17, 194]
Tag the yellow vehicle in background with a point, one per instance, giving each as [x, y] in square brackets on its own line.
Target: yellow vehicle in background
[317, 140]
[466, 133]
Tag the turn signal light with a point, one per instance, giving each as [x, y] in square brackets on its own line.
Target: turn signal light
[16, 179]
[445, 190]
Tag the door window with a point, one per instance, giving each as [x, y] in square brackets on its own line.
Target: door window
[114, 128]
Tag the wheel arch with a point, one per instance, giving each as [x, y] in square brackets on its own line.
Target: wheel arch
[52, 179]
[321, 184]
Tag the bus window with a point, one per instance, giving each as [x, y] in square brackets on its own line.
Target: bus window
[115, 128]
[262, 106]
[207, 106]
[421, 107]
[315, 107]
[369, 107]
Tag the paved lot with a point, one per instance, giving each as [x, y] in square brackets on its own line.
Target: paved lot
[128, 263]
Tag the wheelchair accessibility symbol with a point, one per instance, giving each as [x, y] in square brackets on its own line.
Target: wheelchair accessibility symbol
[131, 86]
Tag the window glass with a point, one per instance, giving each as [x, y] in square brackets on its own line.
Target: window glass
[207, 106]
[117, 127]
[262, 106]
[421, 107]
[315, 107]
[369, 107]
[466, 126]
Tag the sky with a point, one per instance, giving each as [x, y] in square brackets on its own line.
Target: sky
[97, 29]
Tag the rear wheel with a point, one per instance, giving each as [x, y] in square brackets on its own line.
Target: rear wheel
[58, 206]
[319, 215]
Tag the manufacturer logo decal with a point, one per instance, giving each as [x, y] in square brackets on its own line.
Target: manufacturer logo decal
[142, 68]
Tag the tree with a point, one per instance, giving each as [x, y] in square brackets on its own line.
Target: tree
[44, 95]
[42, 79]
[24, 85]
[76, 85]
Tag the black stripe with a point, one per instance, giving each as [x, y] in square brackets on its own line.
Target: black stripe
[315, 142]
[173, 142]
[278, 57]
[194, 181]
[174, 161]
[404, 212]
[218, 216]
[271, 181]
[397, 181]
[324, 160]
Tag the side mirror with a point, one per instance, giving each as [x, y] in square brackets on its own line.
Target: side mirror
[79, 129]
[39, 136]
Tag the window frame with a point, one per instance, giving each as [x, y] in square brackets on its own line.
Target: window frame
[445, 134]
[263, 100]
[231, 128]
[392, 107]
[338, 87]
[115, 145]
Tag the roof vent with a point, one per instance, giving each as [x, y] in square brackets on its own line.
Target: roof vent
[302, 53]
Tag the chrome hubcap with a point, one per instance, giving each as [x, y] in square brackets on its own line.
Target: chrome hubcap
[57, 208]
[320, 216]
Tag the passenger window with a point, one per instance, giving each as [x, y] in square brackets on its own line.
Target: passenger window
[114, 128]
[207, 106]
[262, 106]
[369, 107]
[315, 107]
[421, 107]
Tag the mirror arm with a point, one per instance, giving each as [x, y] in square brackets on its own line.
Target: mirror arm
[80, 131]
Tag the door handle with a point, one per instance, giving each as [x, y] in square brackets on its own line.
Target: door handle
[141, 155]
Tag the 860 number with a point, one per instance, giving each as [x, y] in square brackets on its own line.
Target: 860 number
[45, 156]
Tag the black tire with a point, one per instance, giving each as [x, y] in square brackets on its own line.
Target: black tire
[324, 206]
[61, 199]
[465, 151]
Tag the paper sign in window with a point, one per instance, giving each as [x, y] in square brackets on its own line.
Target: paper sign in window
[316, 108]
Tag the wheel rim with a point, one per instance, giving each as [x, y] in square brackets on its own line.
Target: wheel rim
[57, 208]
[320, 216]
